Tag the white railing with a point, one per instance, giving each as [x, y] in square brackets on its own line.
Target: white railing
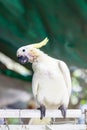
[26, 113]
[17, 113]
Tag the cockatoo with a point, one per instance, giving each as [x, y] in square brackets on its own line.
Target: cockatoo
[51, 83]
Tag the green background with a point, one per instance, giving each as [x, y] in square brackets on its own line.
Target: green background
[64, 22]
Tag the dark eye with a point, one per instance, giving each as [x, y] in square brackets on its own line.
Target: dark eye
[23, 50]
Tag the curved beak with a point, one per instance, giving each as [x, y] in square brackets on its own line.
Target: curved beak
[23, 59]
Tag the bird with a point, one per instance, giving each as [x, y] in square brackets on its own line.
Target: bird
[51, 81]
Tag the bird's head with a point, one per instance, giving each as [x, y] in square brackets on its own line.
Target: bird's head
[30, 53]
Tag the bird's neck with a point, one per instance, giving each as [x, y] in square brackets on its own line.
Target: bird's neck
[40, 59]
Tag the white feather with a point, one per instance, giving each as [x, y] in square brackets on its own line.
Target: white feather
[51, 84]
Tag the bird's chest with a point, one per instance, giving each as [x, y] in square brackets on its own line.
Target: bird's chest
[46, 72]
[48, 76]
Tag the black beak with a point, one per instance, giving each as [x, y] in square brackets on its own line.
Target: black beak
[23, 59]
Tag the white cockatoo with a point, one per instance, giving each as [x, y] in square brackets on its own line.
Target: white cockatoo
[51, 83]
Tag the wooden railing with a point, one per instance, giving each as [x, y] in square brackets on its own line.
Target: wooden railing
[74, 114]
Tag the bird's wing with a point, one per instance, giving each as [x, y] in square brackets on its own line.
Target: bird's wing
[66, 74]
[35, 85]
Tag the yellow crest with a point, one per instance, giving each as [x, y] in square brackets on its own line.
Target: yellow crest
[42, 43]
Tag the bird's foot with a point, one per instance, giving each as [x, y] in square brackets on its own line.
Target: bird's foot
[63, 111]
[42, 111]
[5, 121]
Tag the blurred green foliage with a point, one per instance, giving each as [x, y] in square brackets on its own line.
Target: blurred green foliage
[64, 22]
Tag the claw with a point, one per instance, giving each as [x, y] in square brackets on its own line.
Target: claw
[63, 110]
[42, 111]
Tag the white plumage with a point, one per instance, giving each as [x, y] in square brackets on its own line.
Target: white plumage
[51, 84]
